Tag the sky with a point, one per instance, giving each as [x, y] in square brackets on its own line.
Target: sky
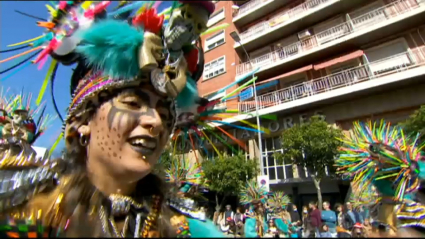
[15, 28]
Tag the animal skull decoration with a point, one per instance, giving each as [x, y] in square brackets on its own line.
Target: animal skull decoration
[185, 26]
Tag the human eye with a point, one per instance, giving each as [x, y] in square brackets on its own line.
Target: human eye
[132, 102]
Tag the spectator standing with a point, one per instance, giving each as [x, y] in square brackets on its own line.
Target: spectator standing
[344, 222]
[239, 217]
[295, 219]
[315, 218]
[354, 215]
[240, 229]
[306, 222]
[330, 219]
[229, 213]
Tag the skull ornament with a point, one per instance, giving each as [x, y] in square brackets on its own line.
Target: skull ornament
[19, 116]
[185, 26]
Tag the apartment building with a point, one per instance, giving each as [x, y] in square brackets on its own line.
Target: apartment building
[346, 60]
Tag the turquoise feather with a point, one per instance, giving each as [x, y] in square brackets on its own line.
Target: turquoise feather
[203, 229]
[189, 94]
[112, 46]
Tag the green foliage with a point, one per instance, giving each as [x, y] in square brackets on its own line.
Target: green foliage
[313, 145]
[415, 123]
[228, 175]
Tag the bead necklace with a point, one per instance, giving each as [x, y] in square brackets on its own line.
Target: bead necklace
[120, 206]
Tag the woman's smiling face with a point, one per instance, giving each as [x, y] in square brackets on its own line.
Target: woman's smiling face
[129, 132]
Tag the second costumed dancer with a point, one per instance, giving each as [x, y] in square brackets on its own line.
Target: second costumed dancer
[381, 157]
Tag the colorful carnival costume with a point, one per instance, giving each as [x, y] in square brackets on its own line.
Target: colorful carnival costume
[381, 157]
[277, 202]
[113, 51]
[21, 124]
[255, 222]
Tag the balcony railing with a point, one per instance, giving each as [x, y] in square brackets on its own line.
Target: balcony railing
[346, 78]
[253, 4]
[281, 18]
[327, 36]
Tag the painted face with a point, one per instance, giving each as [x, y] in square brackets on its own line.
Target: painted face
[130, 131]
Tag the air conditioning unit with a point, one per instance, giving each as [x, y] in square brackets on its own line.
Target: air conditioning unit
[304, 34]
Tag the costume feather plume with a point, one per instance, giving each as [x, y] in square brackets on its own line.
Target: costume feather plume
[278, 199]
[112, 46]
[381, 155]
[252, 192]
[184, 171]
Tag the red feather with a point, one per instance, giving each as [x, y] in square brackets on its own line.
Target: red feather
[150, 20]
[30, 127]
[192, 60]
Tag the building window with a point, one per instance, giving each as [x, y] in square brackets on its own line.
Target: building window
[276, 171]
[279, 172]
[389, 56]
[215, 41]
[216, 17]
[215, 68]
[212, 154]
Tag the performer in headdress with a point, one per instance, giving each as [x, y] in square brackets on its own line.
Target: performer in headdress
[384, 157]
[278, 201]
[131, 70]
[21, 124]
[256, 221]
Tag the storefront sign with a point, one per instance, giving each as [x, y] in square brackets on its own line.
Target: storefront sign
[246, 94]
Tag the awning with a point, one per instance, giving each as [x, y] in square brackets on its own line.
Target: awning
[340, 59]
[300, 70]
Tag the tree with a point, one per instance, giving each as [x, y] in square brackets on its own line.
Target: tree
[228, 175]
[312, 145]
[415, 123]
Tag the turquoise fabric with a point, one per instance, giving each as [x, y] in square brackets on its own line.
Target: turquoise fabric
[421, 165]
[281, 225]
[250, 224]
[203, 229]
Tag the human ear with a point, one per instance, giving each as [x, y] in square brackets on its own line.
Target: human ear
[84, 130]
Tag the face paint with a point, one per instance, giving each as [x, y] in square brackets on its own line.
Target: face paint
[133, 116]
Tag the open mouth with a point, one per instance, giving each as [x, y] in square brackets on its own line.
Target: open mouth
[145, 145]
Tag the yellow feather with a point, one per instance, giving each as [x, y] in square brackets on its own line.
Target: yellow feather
[52, 11]
[86, 4]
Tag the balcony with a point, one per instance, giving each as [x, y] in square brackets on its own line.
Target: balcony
[353, 33]
[374, 74]
[255, 9]
[288, 22]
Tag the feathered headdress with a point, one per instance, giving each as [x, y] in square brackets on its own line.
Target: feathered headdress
[182, 171]
[382, 155]
[105, 46]
[35, 122]
[277, 200]
[252, 193]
